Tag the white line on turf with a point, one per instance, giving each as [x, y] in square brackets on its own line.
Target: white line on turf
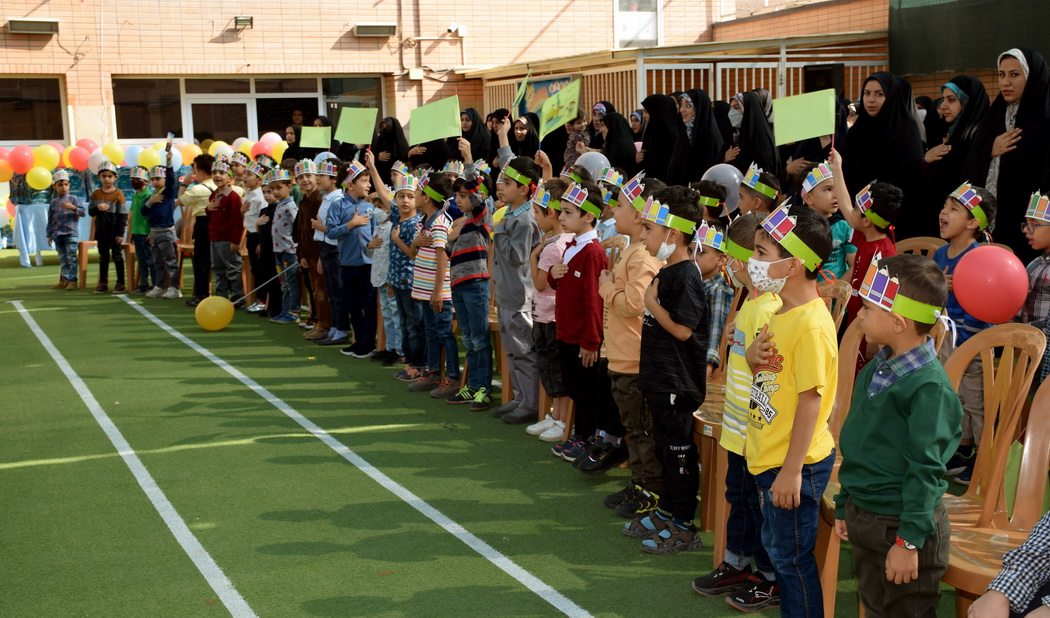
[508, 566]
[221, 584]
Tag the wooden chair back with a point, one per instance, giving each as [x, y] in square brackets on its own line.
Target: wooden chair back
[1031, 482]
[836, 295]
[922, 245]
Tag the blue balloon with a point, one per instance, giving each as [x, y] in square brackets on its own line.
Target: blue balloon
[323, 156]
[131, 155]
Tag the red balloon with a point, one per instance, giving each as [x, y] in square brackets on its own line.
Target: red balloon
[10, 207]
[4, 152]
[58, 147]
[21, 159]
[262, 148]
[78, 158]
[991, 284]
[87, 144]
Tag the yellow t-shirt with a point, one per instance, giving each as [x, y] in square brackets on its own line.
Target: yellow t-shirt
[196, 197]
[805, 357]
[753, 314]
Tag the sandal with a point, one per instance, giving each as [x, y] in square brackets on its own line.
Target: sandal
[644, 526]
[672, 540]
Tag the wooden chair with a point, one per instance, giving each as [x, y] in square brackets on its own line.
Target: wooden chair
[185, 244]
[922, 245]
[82, 256]
[976, 553]
[836, 295]
[131, 266]
[1006, 386]
[998, 244]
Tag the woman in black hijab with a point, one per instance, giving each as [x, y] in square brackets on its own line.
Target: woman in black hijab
[935, 126]
[703, 146]
[884, 144]
[524, 136]
[293, 135]
[720, 109]
[637, 118]
[964, 104]
[600, 109]
[1011, 151]
[388, 146]
[619, 145]
[474, 132]
[756, 138]
[660, 141]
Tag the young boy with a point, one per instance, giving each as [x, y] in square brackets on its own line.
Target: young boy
[758, 191]
[331, 173]
[748, 590]
[309, 251]
[265, 250]
[968, 212]
[818, 192]
[1037, 305]
[547, 208]
[708, 251]
[675, 335]
[351, 225]
[794, 360]
[225, 229]
[62, 219]
[110, 211]
[159, 211]
[140, 230]
[609, 181]
[578, 316]
[252, 207]
[902, 427]
[282, 232]
[405, 219]
[578, 134]
[195, 198]
[623, 292]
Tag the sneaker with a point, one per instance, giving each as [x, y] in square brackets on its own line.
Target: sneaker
[193, 302]
[482, 400]
[643, 503]
[537, 428]
[427, 383]
[172, 292]
[394, 359]
[760, 594]
[307, 324]
[333, 341]
[605, 456]
[380, 356]
[284, 318]
[520, 416]
[120, 289]
[155, 292]
[961, 460]
[462, 396]
[555, 433]
[351, 349]
[614, 500]
[102, 288]
[72, 285]
[593, 443]
[558, 449]
[408, 374]
[723, 580]
[573, 452]
[364, 351]
[445, 388]
[673, 539]
[61, 285]
[510, 406]
[140, 290]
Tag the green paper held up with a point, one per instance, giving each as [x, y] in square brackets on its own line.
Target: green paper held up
[316, 137]
[560, 108]
[520, 96]
[804, 116]
[436, 120]
[356, 125]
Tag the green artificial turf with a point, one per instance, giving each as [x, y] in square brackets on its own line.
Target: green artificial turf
[297, 528]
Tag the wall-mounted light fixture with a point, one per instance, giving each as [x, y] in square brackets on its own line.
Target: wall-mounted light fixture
[241, 22]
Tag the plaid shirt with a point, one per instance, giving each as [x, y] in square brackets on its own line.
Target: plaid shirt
[889, 369]
[62, 222]
[719, 298]
[1026, 568]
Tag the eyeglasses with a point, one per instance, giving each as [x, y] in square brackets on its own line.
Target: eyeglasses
[1028, 228]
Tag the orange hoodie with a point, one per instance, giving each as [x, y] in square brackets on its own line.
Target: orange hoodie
[624, 298]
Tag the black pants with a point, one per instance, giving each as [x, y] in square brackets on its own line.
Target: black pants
[201, 258]
[359, 300]
[591, 392]
[106, 248]
[679, 459]
[333, 280]
[259, 273]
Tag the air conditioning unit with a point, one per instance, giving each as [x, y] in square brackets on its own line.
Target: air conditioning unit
[375, 30]
[32, 26]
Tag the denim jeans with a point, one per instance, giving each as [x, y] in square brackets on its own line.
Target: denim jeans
[743, 531]
[287, 263]
[144, 255]
[439, 334]
[67, 256]
[391, 319]
[791, 536]
[472, 310]
[413, 334]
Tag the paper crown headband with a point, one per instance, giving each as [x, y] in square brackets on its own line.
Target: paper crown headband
[968, 197]
[424, 186]
[481, 167]
[711, 237]
[106, 166]
[222, 167]
[739, 252]
[1038, 206]
[453, 167]
[278, 175]
[710, 202]
[816, 176]
[328, 168]
[64, 175]
[515, 175]
[571, 175]
[882, 290]
[256, 169]
[241, 158]
[751, 179]
[265, 160]
[401, 168]
[306, 166]
[136, 172]
[577, 196]
[780, 225]
[543, 199]
[407, 182]
[657, 213]
[158, 171]
[356, 169]
[865, 202]
[608, 198]
[611, 176]
[632, 191]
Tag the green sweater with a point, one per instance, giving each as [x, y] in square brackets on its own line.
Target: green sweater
[895, 446]
[139, 221]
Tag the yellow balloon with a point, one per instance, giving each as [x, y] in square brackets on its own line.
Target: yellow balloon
[46, 156]
[148, 158]
[65, 156]
[246, 148]
[160, 145]
[214, 313]
[278, 150]
[39, 178]
[214, 145]
[206, 146]
[191, 152]
[114, 152]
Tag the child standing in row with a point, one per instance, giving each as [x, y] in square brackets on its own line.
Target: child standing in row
[758, 191]
[282, 232]
[159, 211]
[252, 207]
[406, 218]
[63, 216]
[1036, 309]
[195, 197]
[140, 230]
[351, 225]
[818, 192]
[110, 211]
[330, 176]
[225, 229]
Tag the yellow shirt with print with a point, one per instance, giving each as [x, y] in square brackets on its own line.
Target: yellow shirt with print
[196, 197]
[805, 357]
[753, 314]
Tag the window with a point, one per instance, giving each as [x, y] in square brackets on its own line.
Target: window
[342, 92]
[222, 85]
[147, 108]
[274, 86]
[637, 23]
[31, 109]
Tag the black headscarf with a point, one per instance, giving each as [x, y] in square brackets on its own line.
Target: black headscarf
[478, 136]
[660, 141]
[756, 138]
[1024, 169]
[553, 144]
[531, 144]
[294, 151]
[767, 103]
[935, 126]
[887, 148]
[703, 149]
[725, 128]
[391, 140]
[596, 136]
[641, 120]
[619, 145]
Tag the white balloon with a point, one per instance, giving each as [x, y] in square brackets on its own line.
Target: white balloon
[176, 158]
[730, 178]
[4, 217]
[224, 151]
[96, 160]
[237, 142]
[593, 162]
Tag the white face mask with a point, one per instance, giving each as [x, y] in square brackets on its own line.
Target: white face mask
[732, 277]
[759, 273]
[665, 249]
[922, 115]
[736, 117]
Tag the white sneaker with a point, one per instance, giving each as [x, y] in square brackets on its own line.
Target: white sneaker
[172, 292]
[536, 429]
[554, 433]
[155, 292]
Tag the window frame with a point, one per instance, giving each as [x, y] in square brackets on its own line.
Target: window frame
[62, 103]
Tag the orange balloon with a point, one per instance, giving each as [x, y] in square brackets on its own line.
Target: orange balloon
[6, 173]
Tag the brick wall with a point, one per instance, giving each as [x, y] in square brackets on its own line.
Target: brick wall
[820, 18]
[930, 85]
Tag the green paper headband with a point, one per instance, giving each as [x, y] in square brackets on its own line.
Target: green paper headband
[434, 195]
[711, 202]
[516, 176]
[875, 218]
[734, 250]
